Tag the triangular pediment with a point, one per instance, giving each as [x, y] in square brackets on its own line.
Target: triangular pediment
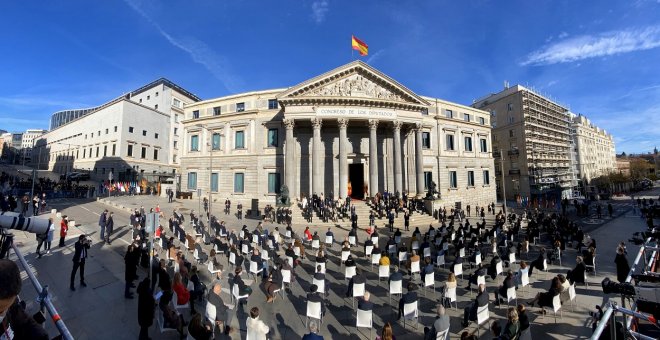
[356, 80]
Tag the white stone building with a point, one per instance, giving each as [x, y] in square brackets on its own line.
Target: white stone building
[351, 131]
[596, 154]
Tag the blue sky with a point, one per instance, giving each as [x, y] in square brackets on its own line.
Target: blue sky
[601, 58]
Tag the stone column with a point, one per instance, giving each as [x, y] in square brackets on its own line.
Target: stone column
[373, 157]
[317, 185]
[343, 158]
[289, 158]
[419, 160]
[398, 172]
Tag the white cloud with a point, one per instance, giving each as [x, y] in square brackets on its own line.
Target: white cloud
[562, 35]
[375, 56]
[197, 50]
[319, 9]
[591, 46]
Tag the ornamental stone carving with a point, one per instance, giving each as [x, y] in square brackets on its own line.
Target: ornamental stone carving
[354, 86]
[343, 123]
[373, 124]
[397, 125]
[316, 123]
[288, 123]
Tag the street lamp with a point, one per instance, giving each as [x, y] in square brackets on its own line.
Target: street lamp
[210, 144]
[503, 183]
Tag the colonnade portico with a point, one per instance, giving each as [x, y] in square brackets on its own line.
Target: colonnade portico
[373, 176]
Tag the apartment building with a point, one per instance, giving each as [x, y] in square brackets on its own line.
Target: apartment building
[596, 155]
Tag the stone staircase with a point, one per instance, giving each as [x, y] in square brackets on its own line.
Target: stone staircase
[362, 209]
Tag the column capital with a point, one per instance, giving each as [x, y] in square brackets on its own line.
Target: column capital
[418, 127]
[343, 123]
[316, 123]
[373, 124]
[397, 124]
[289, 123]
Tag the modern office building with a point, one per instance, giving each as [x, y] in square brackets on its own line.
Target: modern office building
[532, 132]
[134, 135]
[352, 131]
[30, 136]
[596, 155]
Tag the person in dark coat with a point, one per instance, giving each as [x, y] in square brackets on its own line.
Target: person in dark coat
[146, 306]
[409, 297]
[622, 266]
[538, 263]
[130, 274]
[470, 312]
[577, 274]
[109, 226]
[544, 299]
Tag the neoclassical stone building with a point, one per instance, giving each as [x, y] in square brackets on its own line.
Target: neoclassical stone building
[351, 131]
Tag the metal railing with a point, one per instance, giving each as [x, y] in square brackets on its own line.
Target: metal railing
[609, 316]
[44, 298]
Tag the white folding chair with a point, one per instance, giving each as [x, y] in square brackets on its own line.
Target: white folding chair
[210, 314]
[414, 268]
[368, 250]
[391, 250]
[254, 269]
[383, 272]
[396, 287]
[286, 278]
[316, 244]
[572, 296]
[320, 284]
[375, 260]
[450, 293]
[314, 311]
[211, 269]
[482, 317]
[524, 277]
[176, 304]
[255, 238]
[403, 256]
[415, 245]
[161, 322]
[410, 312]
[296, 250]
[511, 295]
[349, 272]
[352, 241]
[426, 252]
[556, 306]
[374, 239]
[320, 264]
[358, 291]
[498, 268]
[592, 267]
[512, 259]
[344, 256]
[429, 281]
[328, 241]
[289, 260]
[440, 260]
[461, 252]
[397, 239]
[364, 318]
[236, 296]
[458, 269]
[245, 249]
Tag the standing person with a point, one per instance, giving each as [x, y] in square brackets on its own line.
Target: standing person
[170, 196]
[51, 234]
[622, 266]
[64, 228]
[41, 238]
[102, 221]
[35, 205]
[256, 329]
[130, 270]
[146, 306]
[79, 257]
[109, 225]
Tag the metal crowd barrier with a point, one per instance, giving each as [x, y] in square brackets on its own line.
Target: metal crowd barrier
[609, 316]
[44, 296]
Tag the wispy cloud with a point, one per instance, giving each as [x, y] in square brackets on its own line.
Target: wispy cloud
[198, 51]
[24, 101]
[319, 9]
[375, 56]
[591, 46]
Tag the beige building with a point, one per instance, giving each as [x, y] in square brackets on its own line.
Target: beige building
[596, 155]
[533, 134]
[352, 131]
[623, 166]
[132, 136]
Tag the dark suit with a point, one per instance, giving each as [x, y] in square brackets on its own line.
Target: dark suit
[315, 297]
[396, 276]
[312, 336]
[365, 305]
[356, 279]
[79, 261]
[508, 283]
[471, 311]
[406, 299]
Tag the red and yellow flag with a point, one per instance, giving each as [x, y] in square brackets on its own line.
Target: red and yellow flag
[359, 46]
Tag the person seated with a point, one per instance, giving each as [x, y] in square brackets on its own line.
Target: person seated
[222, 312]
[518, 275]
[182, 294]
[364, 303]
[538, 263]
[353, 232]
[368, 243]
[492, 269]
[397, 233]
[501, 292]
[243, 289]
[413, 258]
[470, 312]
[329, 233]
[320, 257]
[289, 252]
[256, 329]
[544, 299]
[301, 248]
[313, 330]
[199, 289]
[274, 282]
[358, 278]
[349, 261]
[522, 317]
[314, 296]
[427, 269]
[316, 237]
[451, 281]
[171, 318]
[384, 259]
[577, 274]
[480, 271]
[440, 324]
[409, 297]
[200, 328]
[256, 258]
[457, 260]
[588, 257]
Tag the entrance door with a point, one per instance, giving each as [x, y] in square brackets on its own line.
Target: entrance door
[356, 180]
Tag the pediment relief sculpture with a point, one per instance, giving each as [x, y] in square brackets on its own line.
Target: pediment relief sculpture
[355, 85]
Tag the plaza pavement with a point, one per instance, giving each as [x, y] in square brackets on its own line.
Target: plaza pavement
[99, 311]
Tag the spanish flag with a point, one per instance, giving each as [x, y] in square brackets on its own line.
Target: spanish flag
[359, 46]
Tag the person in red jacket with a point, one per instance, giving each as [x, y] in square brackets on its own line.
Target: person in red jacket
[182, 293]
[64, 228]
[308, 234]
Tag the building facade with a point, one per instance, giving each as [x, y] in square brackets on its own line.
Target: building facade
[30, 136]
[596, 154]
[352, 131]
[533, 134]
[135, 135]
[623, 166]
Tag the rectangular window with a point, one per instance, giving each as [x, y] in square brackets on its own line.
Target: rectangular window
[450, 142]
[482, 120]
[486, 177]
[426, 140]
[155, 154]
[511, 133]
[156, 107]
[107, 131]
[239, 140]
[214, 182]
[176, 102]
[144, 153]
[156, 135]
[272, 104]
[97, 151]
[148, 97]
[98, 134]
[484, 145]
[470, 178]
[427, 179]
[130, 129]
[84, 153]
[114, 149]
[175, 145]
[144, 132]
[238, 182]
[105, 150]
[194, 143]
[195, 114]
[272, 137]
[510, 106]
[217, 111]
[176, 118]
[466, 117]
[468, 144]
[273, 183]
[215, 141]
[240, 107]
[115, 128]
[176, 131]
[192, 181]
[449, 114]
[156, 94]
[453, 181]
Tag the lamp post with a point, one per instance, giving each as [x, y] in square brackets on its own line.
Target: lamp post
[503, 183]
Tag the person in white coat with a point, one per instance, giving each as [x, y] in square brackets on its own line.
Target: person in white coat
[256, 329]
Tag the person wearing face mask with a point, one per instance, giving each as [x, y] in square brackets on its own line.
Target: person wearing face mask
[14, 322]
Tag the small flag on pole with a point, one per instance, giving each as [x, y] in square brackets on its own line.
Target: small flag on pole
[359, 46]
